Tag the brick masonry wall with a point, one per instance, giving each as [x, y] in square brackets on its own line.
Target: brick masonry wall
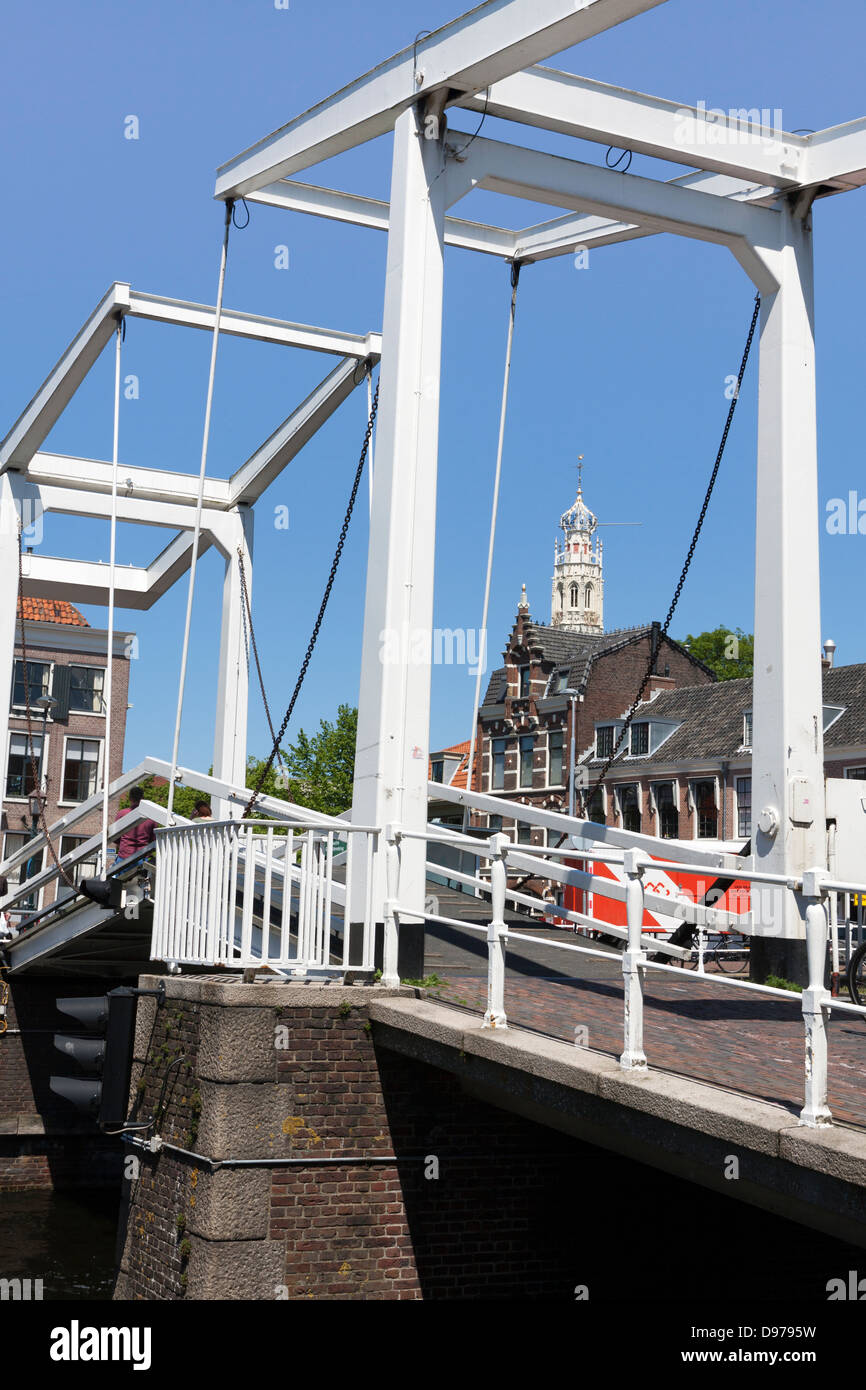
[45, 1142]
[434, 1195]
[16, 816]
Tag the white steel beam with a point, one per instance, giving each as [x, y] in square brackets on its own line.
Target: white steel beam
[837, 157]
[236, 324]
[662, 207]
[788, 757]
[394, 705]
[728, 143]
[253, 477]
[563, 235]
[138, 511]
[87, 581]
[146, 484]
[489, 43]
[36, 422]
[374, 214]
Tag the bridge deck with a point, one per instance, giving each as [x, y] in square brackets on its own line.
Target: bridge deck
[744, 1042]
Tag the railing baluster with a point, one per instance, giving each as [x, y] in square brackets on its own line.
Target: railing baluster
[249, 893]
[266, 894]
[816, 998]
[633, 1057]
[497, 936]
[390, 946]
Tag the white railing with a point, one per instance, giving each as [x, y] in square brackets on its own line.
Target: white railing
[264, 894]
[636, 855]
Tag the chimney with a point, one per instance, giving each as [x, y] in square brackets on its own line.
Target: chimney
[829, 654]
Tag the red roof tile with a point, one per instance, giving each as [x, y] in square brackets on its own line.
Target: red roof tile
[51, 610]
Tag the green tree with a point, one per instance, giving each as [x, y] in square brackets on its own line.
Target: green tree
[730, 652]
[321, 767]
[157, 791]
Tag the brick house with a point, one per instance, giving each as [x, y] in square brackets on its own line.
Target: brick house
[66, 663]
[685, 770]
[563, 676]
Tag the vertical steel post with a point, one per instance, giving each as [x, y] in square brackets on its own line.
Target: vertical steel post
[232, 701]
[8, 613]
[633, 959]
[391, 766]
[816, 999]
[497, 935]
[788, 760]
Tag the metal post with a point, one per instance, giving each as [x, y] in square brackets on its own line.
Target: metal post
[232, 701]
[8, 612]
[573, 696]
[788, 761]
[633, 959]
[391, 765]
[497, 935]
[391, 913]
[816, 998]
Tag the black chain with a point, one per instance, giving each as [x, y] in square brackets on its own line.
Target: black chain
[318, 623]
[663, 632]
[247, 614]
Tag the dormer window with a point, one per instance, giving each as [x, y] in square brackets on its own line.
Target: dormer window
[558, 682]
[604, 741]
[747, 729]
[639, 740]
[523, 682]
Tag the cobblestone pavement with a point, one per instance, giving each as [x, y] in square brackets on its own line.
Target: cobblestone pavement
[702, 1029]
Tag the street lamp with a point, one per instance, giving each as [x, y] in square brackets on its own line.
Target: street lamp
[574, 696]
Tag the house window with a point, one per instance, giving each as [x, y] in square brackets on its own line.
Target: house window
[524, 834]
[554, 759]
[527, 750]
[629, 805]
[859, 772]
[494, 824]
[437, 769]
[28, 868]
[639, 740]
[38, 681]
[558, 682]
[19, 775]
[747, 729]
[669, 820]
[595, 807]
[604, 741]
[82, 868]
[523, 679]
[498, 779]
[707, 813]
[744, 807]
[80, 768]
[85, 689]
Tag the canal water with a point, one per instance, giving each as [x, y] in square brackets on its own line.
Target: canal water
[66, 1239]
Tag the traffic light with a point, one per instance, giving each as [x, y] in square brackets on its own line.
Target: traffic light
[103, 1053]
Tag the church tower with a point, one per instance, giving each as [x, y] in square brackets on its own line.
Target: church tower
[578, 573]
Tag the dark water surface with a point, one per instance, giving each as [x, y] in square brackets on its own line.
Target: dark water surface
[66, 1239]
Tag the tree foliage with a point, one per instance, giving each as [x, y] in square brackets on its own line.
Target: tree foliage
[321, 767]
[730, 652]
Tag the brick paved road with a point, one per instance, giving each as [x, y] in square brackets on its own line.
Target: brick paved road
[709, 1031]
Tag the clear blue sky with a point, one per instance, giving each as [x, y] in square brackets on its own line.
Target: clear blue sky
[624, 362]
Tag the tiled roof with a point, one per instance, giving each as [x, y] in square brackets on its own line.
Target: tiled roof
[461, 749]
[711, 718]
[51, 610]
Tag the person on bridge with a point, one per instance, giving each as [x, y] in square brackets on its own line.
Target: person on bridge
[202, 810]
[138, 836]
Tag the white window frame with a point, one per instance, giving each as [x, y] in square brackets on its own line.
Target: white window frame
[653, 804]
[21, 710]
[738, 778]
[87, 666]
[853, 767]
[564, 758]
[81, 738]
[693, 805]
[748, 714]
[43, 764]
[17, 883]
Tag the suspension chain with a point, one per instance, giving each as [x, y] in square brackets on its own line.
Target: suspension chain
[278, 738]
[247, 614]
[34, 771]
[663, 632]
